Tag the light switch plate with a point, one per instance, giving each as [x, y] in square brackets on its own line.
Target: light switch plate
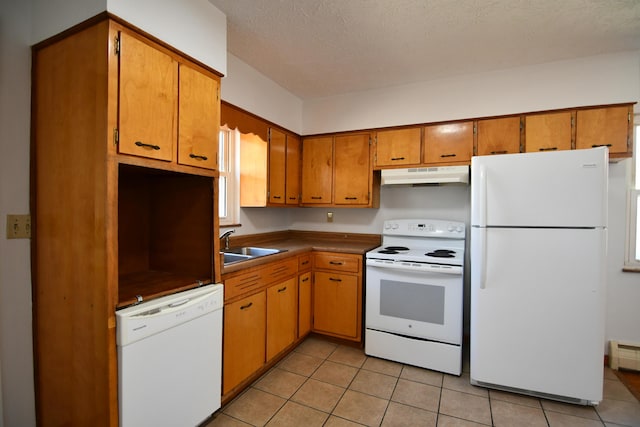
[18, 226]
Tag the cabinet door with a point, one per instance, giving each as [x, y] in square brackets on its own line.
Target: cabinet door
[499, 136]
[244, 339]
[253, 171]
[335, 304]
[398, 147]
[282, 316]
[317, 168]
[304, 304]
[352, 170]
[277, 166]
[448, 143]
[148, 92]
[292, 185]
[548, 132]
[604, 127]
[198, 119]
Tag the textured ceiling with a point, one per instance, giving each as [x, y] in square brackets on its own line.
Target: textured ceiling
[319, 48]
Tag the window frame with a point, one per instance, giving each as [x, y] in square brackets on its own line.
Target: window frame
[228, 161]
[632, 262]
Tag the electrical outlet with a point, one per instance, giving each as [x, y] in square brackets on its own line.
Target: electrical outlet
[18, 226]
[329, 216]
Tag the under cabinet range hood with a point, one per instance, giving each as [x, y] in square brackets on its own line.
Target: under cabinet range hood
[425, 176]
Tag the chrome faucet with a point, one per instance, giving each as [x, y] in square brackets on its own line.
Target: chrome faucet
[225, 236]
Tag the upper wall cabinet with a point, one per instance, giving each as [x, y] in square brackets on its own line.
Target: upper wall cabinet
[338, 171]
[284, 168]
[549, 131]
[498, 136]
[448, 143]
[168, 110]
[399, 147]
[609, 126]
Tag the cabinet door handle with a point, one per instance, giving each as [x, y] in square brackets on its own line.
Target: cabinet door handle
[499, 152]
[351, 198]
[306, 279]
[336, 262]
[305, 262]
[142, 144]
[293, 198]
[198, 157]
[600, 145]
[282, 289]
[246, 306]
[316, 197]
[333, 279]
[447, 155]
[397, 158]
[548, 149]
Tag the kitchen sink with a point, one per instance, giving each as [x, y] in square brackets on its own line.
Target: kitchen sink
[241, 253]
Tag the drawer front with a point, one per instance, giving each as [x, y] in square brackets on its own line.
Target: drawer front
[304, 262]
[338, 262]
[243, 284]
[281, 270]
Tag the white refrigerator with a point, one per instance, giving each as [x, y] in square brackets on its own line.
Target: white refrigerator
[538, 261]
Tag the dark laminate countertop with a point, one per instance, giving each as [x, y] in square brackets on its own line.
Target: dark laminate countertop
[296, 242]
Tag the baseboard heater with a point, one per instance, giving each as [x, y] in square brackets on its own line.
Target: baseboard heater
[624, 355]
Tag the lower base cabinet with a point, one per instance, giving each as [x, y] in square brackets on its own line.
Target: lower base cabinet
[244, 339]
[304, 304]
[282, 316]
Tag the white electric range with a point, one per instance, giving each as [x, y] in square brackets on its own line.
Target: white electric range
[414, 287]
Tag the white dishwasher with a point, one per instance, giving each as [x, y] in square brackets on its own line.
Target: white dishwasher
[170, 359]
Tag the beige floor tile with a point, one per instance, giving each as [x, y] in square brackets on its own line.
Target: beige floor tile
[318, 395]
[316, 347]
[423, 396]
[421, 375]
[514, 398]
[447, 421]
[348, 355]
[609, 374]
[361, 408]
[466, 406]
[402, 415]
[383, 366]
[299, 363]
[373, 383]
[280, 382]
[620, 412]
[335, 373]
[614, 389]
[334, 421]
[462, 383]
[557, 419]
[569, 409]
[223, 420]
[509, 414]
[255, 407]
[295, 415]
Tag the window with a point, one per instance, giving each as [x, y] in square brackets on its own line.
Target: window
[633, 224]
[227, 188]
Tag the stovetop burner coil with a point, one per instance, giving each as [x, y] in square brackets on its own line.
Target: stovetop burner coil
[442, 253]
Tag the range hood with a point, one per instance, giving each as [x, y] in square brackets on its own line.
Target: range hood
[425, 176]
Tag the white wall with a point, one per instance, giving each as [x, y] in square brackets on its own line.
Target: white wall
[16, 353]
[195, 27]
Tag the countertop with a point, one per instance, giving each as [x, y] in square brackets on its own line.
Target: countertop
[297, 242]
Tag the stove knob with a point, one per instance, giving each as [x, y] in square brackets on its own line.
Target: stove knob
[394, 226]
[459, 229]
[450, 228]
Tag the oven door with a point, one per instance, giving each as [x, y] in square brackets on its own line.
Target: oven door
[414, 303]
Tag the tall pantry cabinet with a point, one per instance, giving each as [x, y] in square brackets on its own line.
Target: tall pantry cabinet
[123, 202]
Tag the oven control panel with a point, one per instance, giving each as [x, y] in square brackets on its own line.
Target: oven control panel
[424, 228]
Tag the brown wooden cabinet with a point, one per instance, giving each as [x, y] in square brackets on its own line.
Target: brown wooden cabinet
[284, 168]
[498, 136]
[398, 147]
[165, 104]
[244, 339]
[607, 126]
[253, 171]
[337, 171]
[448, 143]
[337, 295]
[548, 131]
[104, 219]
[282, 316]
[304, 295]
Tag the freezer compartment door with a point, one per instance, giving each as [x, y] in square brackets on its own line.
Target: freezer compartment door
[550, 189]
[537, 310]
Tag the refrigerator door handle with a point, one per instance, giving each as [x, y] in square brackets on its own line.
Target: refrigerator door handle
[482, 197]
[482, 262]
